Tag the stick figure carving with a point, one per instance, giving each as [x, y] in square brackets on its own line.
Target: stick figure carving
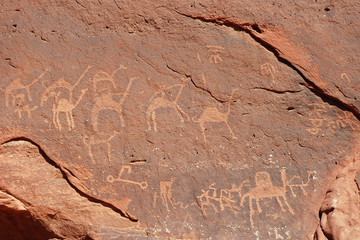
[99, 138]
[63, 105]
[268, 69]
[297, 181]
[265, 189]
[106, 101]
[111, 179]
[166, 193]
[157, 102]
[18, 85]
[214, 115]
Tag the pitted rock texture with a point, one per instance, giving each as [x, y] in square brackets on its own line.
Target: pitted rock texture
[179, 120]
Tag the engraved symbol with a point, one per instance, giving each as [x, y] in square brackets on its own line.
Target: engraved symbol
[344, 76]
[316, 117]
[299, 183]
[265, 189]
[206, 198]
[204, 79]
[106, 101]
[215, 53]
[214, 115]
[111, 179]
[99, 138]
[63, 105]
[161, 101]
[268, 69]
[166, 193]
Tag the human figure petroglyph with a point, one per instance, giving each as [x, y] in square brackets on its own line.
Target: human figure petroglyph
[99, 138]
[102, 76]
[166, 193]
[265, 189]
[63, 105]
[106, 102]
[111, 179]
[16, 85]
[268, 69]
[297, 181]
[214, 115]
[206, 199]
[25, 108]
[215, 53]
[161, 101]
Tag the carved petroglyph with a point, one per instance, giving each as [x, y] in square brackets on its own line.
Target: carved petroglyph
[99, 138]
[204, 79]
[226, 199]
[166, 193]
[111, 179]
[215, 52]
[214, 115]
[268, 69]
[159, 100]
[106, 102]
[16, 85]
[344, 76]
[63, 104]
[316, 117]
[297, 181]
[344, 119]
[102, 76]
[25, 108]
[265, 189]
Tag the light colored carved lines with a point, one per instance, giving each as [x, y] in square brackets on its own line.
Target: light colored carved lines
[111, 179]
[268, 69]
[214, 115]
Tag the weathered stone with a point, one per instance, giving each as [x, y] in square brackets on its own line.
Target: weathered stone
[183, 120]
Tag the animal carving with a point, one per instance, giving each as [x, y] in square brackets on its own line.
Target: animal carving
[106, 101]
[17, 85]
[25, 108]
[214, 115]
[161, 101]
[297, 181]
[265, 189]
[166, 193]
[99, 138]
[63, 105]
[102, 76]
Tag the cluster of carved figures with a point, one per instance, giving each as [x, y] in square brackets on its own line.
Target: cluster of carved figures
[233, 199]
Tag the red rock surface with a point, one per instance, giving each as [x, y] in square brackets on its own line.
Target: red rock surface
[179, 120]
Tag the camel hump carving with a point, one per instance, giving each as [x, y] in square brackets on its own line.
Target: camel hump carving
[214, 115]
[106, 102]
[159, 100]
[264, 188]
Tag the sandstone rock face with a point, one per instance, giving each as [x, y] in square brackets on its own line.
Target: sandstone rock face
[179, 120]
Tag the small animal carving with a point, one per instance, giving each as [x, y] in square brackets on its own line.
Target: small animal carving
[166, 193]
[161, 101]
[99, 138]
[297, 181]
[102, 76]
[265, 189]
[106, 101]
[25, 108]
[214, 115]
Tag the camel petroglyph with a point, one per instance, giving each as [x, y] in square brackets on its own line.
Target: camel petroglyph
[102, 76]
[106, 102]
[214, 115]
[265, 189]
[97, 139]
[297, 181]
[161, 101]
[16, 85]
[63, 105]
